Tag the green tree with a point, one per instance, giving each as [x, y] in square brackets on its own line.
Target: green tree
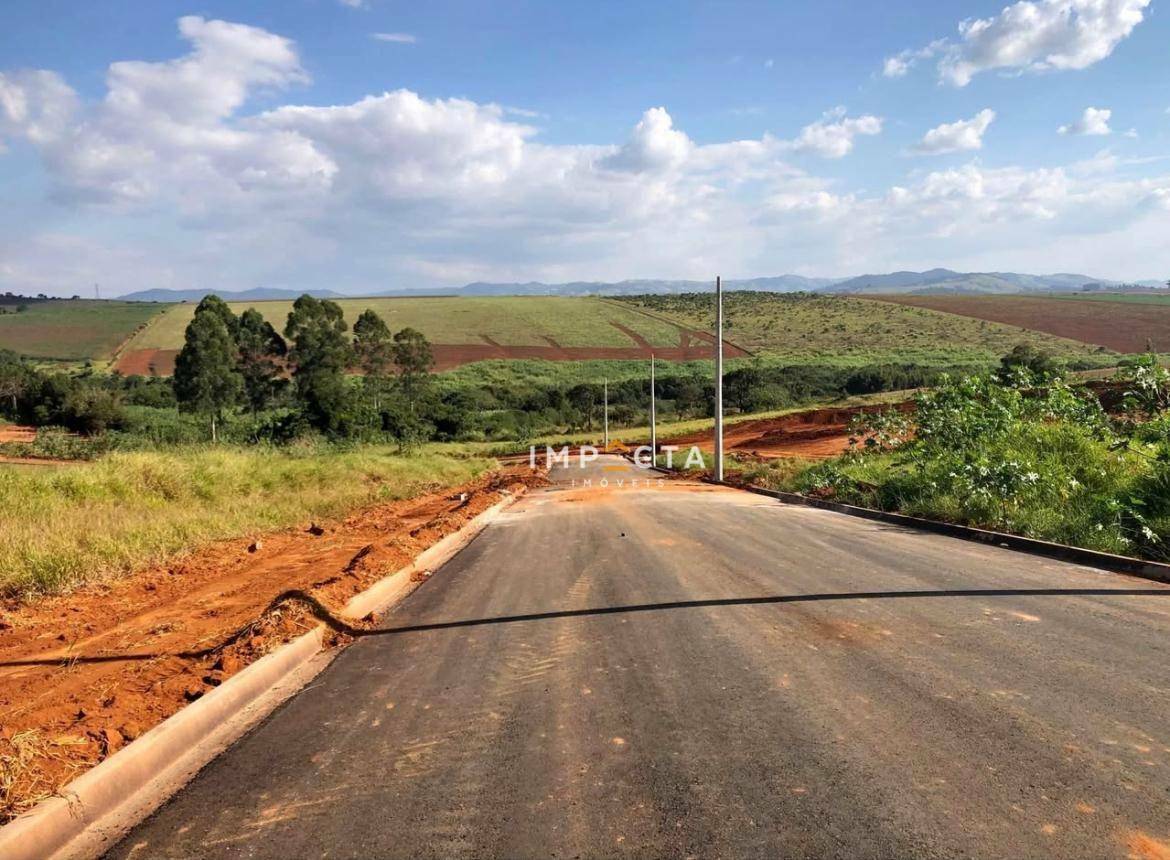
[91, 410]
[320, 353]
[206, 380]
[15, 378]
[414, 359]
[375, 351]
[211, 303]
[261, 349]
[1027, 365]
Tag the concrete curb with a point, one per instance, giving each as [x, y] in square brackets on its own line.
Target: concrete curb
[48, 828]
[71, 824]
[1060, 552]
[384, 593]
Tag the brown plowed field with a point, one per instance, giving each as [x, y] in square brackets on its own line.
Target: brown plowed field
[692, 345]
[1120, 326]
[83, 673]
[816, 434]
[146, 362]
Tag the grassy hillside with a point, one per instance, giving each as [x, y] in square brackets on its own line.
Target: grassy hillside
[71, 330]
[64, 527]
[508, 320]
[846, 330]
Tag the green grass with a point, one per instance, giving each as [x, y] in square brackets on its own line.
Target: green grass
[1131, 298]
[845, 330]
[509, 320]
[94, 521]
[68, 330]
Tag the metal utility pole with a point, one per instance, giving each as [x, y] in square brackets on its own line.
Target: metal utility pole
[653, 413]
[605, 390]
[718, 378]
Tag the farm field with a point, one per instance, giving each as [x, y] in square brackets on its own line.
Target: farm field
[1119, 323]
[1134, 298]
[72, 330]
[464, 330]
[844, 329]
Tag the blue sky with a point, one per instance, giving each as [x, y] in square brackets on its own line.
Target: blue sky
[319, 143]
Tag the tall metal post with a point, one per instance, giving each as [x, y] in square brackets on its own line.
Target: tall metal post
[605, 390]
[718, 378]
[653, 412]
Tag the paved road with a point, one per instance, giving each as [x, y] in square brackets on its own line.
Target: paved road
[690, 671]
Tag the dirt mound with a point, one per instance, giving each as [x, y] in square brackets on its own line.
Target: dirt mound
[815, 434]
[84, 673]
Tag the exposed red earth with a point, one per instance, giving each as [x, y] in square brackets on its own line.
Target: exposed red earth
[814, 434]
[82, 674]
[17, 433]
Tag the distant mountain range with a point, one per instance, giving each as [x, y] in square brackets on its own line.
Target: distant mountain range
[934, 281]
[258, 294]
[948, 281]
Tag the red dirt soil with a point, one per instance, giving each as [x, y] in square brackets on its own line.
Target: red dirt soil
[17, 433]
[1120, 326]
[164, 636]
[816, 434]
[692, 345]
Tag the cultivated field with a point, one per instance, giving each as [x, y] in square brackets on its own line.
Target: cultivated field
[1119, 322]
[72, 330]
[842, 329]
[463, 330]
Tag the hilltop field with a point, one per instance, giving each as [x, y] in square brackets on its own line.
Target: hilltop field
[841, 331]
[1117, 321]
[464, 330]
[844, 330]
[71, 329]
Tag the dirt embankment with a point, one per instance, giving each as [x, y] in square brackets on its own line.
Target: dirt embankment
[84, 673]
[814, 434]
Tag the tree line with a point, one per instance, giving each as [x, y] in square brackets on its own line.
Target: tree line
[229, 362]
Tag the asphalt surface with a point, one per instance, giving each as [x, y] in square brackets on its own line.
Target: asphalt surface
[696, 672]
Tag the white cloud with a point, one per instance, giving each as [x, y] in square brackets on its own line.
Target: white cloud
[832, 136]
[769, 63]
[959, 136]
[165, 127]
[399, 38]
[901, 63]
[35, 105]
[1029, 36]
[1093, 122]
[353, 4]
[186, 184]
[654, 145]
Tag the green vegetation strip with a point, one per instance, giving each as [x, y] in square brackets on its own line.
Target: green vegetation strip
[95, 521]
[1026, 456]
